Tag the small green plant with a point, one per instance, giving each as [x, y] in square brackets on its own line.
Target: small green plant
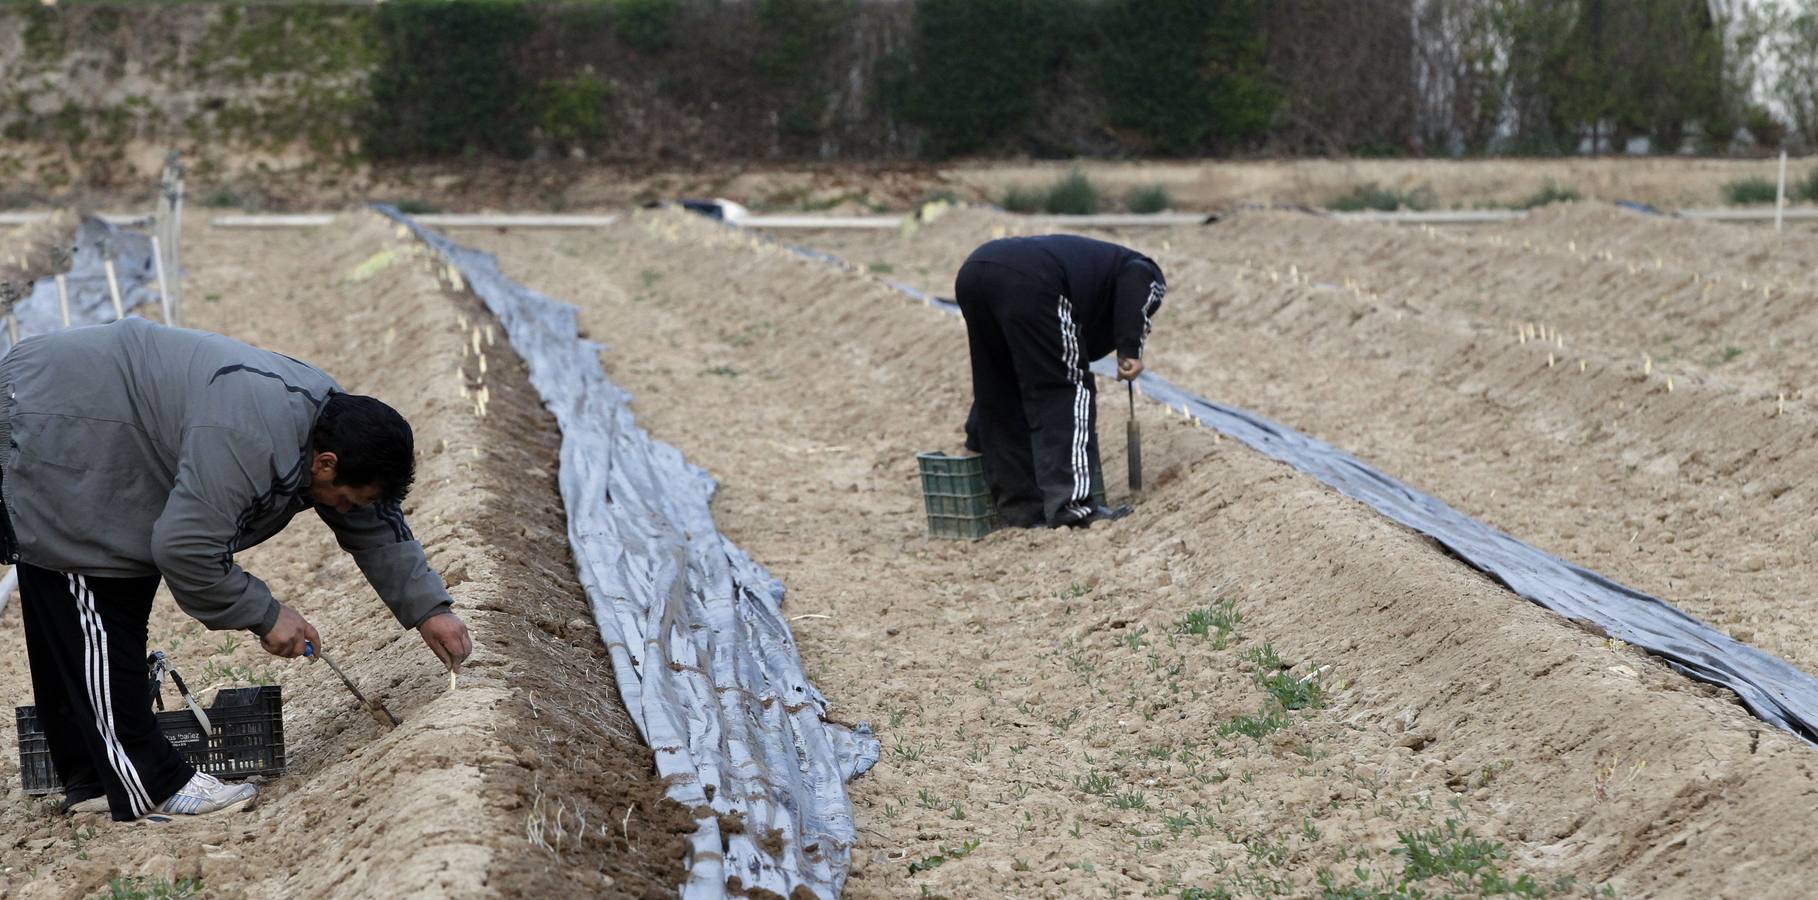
[216, 673]
[1073, 195]
[880, 267]
[1255, 727]
[1095, 784]
[1266, 659]
[1134, 639]
[1372, 196]
[906, 751]
[1215, 622]
[1751, 190]
[412, 207]
[1019, 199]
[722, 371]
[1728, 355]
[929, 800]
[1129, 800]
[229, 642]
[1550, 194]
[140, 887]
[1150, 199]
[1294, 693]
[1457, 855]
[947, 853]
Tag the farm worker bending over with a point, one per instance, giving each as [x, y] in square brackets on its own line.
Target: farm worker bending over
[1038, 311]
[133, 451]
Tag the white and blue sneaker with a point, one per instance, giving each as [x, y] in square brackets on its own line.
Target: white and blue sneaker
[206, 794]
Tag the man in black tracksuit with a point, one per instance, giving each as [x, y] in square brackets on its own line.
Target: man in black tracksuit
[1038, 311]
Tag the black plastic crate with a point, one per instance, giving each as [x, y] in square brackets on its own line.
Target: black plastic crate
[248, 739]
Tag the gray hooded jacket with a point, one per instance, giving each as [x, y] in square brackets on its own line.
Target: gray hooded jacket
[133, 449]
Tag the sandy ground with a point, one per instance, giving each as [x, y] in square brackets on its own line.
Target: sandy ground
[526, 780]
[1253, 686]
[277, 181]
[1070, 714]
[1401, 345]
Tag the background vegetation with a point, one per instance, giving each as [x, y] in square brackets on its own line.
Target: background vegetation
[850, 79]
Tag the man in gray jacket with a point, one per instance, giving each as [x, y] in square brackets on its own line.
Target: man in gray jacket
[131, 452]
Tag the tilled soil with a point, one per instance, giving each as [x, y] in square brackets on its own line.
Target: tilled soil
[1253, 684]
[1658, 434]
[528, 779]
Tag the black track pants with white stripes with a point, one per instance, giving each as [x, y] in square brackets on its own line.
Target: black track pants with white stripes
[86, 640]
[1035, 406]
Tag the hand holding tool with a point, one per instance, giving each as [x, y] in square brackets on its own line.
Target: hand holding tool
[377, 708]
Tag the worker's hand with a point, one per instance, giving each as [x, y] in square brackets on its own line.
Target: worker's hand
[1128, 367]
[447, 638]
[287, 637]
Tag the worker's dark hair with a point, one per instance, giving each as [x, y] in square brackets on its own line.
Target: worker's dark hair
[371, 443]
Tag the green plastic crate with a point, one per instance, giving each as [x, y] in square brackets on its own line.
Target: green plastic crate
[954, 493]
[958, 501]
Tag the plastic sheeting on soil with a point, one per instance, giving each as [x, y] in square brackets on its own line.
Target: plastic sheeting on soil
[89, 300]
[705, 662]
[1769, 686]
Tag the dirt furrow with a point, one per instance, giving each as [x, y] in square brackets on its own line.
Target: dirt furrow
[1128, 708]
[1691, 490]
[483, 790]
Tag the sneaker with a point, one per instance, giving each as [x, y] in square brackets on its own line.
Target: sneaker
[96, 804]
[206, 794]
[1096, 514]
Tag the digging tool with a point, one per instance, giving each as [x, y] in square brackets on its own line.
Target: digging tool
[377, 708]
[159, 666]
[1133, 441]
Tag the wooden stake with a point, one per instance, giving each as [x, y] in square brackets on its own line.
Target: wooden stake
[1669, 384]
